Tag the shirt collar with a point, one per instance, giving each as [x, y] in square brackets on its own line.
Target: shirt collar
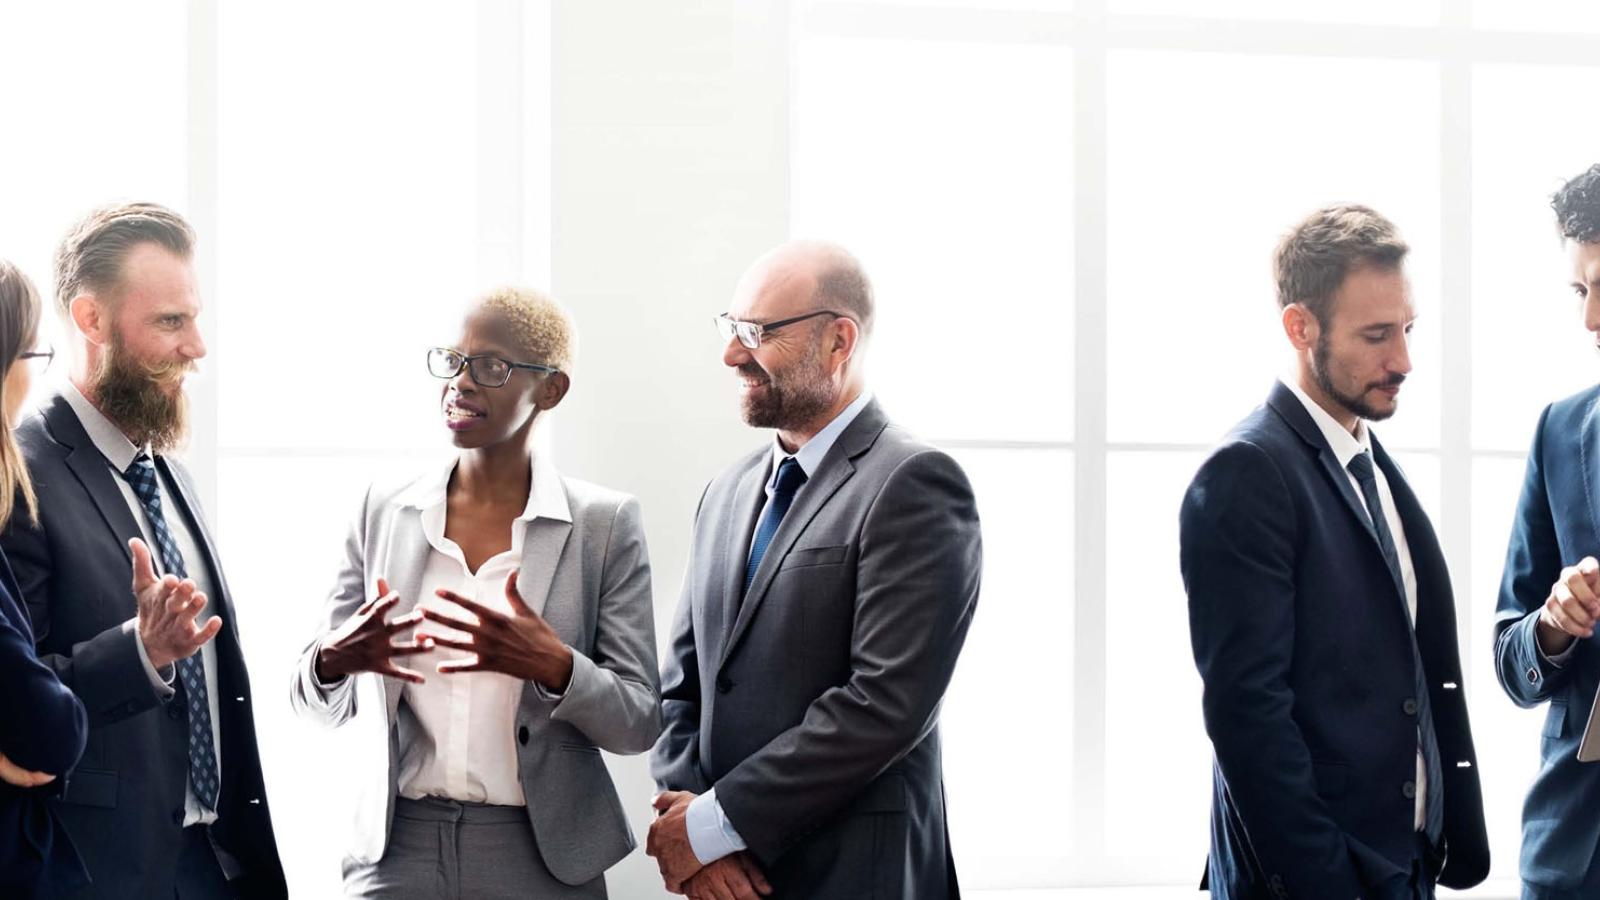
[547, 497]
[103, 433]
[812, 452]
[1345, 446]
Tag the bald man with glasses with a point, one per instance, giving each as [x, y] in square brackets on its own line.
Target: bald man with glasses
[832, 577]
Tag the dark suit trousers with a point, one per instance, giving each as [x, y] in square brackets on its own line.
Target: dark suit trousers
[1418, 883]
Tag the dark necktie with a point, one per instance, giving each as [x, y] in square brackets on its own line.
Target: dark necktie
[1433, 802]
[191, 671]
[790, 478]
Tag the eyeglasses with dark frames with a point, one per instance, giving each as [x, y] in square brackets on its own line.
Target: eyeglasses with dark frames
[751, 333]
[488, 371]
[48, 355]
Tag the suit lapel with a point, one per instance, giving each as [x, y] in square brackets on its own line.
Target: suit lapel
[92, 471]
[835, 469]
[188, 507]
[1294, 413]
[1588, 451]
[749, 496]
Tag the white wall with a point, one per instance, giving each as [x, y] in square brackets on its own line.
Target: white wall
[669, 176]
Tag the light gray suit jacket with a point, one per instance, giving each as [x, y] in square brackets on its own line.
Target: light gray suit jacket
[812, 702]
[596, 597]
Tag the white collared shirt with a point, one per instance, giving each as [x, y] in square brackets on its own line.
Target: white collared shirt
[119, 453]
[1347, 446]
[458, 731]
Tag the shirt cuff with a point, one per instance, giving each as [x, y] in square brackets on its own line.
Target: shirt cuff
[161, 682]
[316, 679]
[711, 835]
[1560, 659]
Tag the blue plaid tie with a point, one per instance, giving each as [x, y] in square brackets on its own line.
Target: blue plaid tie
[1433, 802]
[790, 478]
[191, 671]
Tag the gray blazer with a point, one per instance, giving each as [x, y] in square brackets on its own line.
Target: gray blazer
[596, 597]
[812, 703]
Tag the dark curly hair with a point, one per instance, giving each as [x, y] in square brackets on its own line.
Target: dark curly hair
[1577, 207]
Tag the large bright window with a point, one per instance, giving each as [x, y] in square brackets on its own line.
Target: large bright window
[1139, 160]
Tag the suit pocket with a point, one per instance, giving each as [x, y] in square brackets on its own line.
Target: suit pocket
[1333, 779]
[580, 748]
[815, 556]
[91, 787]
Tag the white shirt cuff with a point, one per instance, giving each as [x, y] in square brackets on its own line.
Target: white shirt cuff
[711, 835]
[162, 683]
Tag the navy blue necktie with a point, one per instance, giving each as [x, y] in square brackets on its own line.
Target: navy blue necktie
[790, 478]
[191, 671]
[1433, 802]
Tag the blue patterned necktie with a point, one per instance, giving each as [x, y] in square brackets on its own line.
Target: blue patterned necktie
[1433, 801]
[790, 478]
[191, 671]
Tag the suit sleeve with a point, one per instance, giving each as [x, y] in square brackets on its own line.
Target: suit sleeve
[675, 760]
[1237, 536]
[333, 703]
[614, 697]
[1533, 563]
[46, 725]
[106, 671]
[916, 589]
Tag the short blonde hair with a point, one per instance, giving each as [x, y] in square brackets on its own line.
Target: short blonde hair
[538, 325]
[90, 258]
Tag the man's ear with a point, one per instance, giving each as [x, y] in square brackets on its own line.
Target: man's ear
[845, 338]
[1301, 326]
[91, 318]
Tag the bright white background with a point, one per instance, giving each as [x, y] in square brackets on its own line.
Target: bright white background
[1068, 210]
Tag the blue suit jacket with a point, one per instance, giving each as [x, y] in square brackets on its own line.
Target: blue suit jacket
[1304, 645]
[43, 729]
[1555, 527]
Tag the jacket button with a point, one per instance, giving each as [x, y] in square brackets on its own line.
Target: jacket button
[1409, 707]
[174, 711]
[1533, 676]
[177, 816]
[522, 735]
[1409, 789]
[724, 684]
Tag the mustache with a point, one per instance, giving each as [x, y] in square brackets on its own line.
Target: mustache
[1392, 382]
[751, 370]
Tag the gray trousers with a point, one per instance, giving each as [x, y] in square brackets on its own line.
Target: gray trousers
[444, 850]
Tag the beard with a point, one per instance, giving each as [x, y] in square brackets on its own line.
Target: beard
[146, 401]
[1320, 359]
[793, 397]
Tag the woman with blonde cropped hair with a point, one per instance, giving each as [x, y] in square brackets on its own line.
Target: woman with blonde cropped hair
[492, 621]
[42, 725]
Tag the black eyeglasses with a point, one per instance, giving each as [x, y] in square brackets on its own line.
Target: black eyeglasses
[487, 371]
[49, 356]
[751, 333]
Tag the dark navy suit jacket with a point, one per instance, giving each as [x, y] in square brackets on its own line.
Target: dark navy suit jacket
[42, 729]
[1304, 644]
[124, 803]
[1555, 527]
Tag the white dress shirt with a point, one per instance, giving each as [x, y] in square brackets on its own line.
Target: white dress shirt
[119, 453]
[1347, 446]
[711, 835]
[458, 731]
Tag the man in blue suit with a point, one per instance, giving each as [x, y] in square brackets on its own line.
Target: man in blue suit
[1321, 613]
[1548, 607]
